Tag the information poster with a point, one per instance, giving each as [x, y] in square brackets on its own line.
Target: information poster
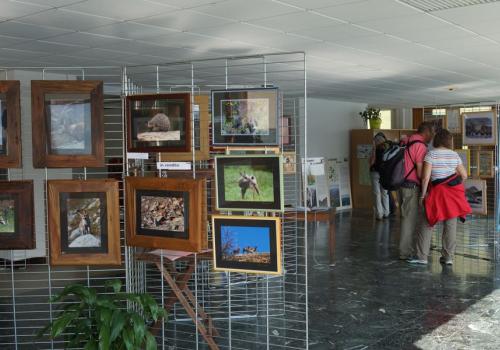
[317, 183]
[339, 184]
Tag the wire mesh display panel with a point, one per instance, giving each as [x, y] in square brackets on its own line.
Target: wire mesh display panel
[249, 311]
[477, 237]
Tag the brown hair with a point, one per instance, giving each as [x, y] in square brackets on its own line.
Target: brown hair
[426, 126]
[443, 138]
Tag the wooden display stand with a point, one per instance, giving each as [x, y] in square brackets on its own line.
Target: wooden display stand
[362, 193]
[325, 215]
[165, 261]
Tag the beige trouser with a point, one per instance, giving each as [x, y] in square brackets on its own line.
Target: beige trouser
[411, 218]
[449, 238]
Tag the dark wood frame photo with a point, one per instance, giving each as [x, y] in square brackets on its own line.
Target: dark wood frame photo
[273, 118]
[42, 154]
[23, 236]
[273, 163]
[147, 146]
[272, 267]
[194, 236]
[106, 190]
[10, 155]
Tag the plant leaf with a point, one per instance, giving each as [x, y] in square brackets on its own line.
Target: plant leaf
[150, 342]
[115, 284]
[117, 323]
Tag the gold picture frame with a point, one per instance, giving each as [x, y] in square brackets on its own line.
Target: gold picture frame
[485, 164]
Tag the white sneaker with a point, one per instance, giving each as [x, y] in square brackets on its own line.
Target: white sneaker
[446, 261]
[416, 261]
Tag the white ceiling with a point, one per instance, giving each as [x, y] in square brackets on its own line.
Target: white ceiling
[384, 52]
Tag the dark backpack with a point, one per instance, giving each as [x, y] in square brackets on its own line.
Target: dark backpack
[392, 167]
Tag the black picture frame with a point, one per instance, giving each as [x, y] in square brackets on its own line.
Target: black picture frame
[139, 194]
[263, 168]
[228, 130]
[249, 226]
[103, 224]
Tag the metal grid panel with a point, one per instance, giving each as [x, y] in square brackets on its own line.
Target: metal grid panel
[250, 312]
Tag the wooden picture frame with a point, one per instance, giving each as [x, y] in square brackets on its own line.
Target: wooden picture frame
[84, 222]
[249, 182]
[479, 128]
[17, 228]
[10, 127]
[475, 192]
[151, 119]
[247, 244]
[464, 155]
[185, 229]
[485, 164]
[234, 125]
[201, 120]
[67, 123]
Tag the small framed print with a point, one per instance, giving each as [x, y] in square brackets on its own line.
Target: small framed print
[166, 213]
[475, 192]
[10, 128]
[252, 182]
[245, 117]
[67, 123]
[16, 215]
[289, 163]
[159, 123]
[479, 128]
[464, 155]
[286, 130]
[201, 134]
[84, 222]
[453, 120]
[247, 244]
[485, 164]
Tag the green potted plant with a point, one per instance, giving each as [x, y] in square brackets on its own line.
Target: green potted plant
[103, 321]
[373, 116]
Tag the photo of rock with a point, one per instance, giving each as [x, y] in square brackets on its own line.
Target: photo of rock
[84, 222]
[70, 125]
[7, 216]
[245, 116]
[162, 213]
[246, 244]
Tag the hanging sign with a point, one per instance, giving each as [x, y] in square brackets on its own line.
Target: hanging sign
[173, 165]
[137, 155]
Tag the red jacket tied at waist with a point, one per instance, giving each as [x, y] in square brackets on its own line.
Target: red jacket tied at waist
[446, 202]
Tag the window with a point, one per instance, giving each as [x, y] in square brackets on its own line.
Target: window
[475, 109]
[386, 115]
[439, 111]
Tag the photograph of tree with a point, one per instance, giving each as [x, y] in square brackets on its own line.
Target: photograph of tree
[246, 244]
[7, 216]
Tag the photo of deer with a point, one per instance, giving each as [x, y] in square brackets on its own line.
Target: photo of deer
[245, 116]
[248, 183]
[162, 213]
[7, 216]
[69, 125]
[84, 222]
[246, 244]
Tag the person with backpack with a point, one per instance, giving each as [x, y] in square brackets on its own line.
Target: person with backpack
[443, 197]
[411, 212]
[380, 195]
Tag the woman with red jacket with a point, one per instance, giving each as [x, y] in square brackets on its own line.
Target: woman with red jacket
[443, 197]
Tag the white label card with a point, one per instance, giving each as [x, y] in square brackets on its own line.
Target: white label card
[136, 155]
[173, 165]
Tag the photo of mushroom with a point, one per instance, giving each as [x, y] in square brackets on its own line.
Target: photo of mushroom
[253, 183]
[245, 116]
[84, 220]
[69, 124]
[162, 213]
[3, 127]
[158, 120]
[246, 244]
[7, 216]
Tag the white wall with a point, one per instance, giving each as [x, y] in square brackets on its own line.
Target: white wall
[328, 126]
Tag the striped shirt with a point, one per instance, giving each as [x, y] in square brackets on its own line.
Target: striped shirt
[444, 162]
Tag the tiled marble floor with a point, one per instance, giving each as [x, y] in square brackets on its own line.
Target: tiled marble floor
[370, 300]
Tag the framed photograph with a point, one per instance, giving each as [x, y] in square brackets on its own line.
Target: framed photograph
[201, 134]
[485, 164]
[247, 244]
[166, 213]
[289, 163]
[253, 182]
[479, 128]
[475, 192]
[453, 120]
[245, 117]
[159, 123]
[10, 128]
[17, 229]
[84, 222]
[67, 123]
[286, 130]
[464, 155]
